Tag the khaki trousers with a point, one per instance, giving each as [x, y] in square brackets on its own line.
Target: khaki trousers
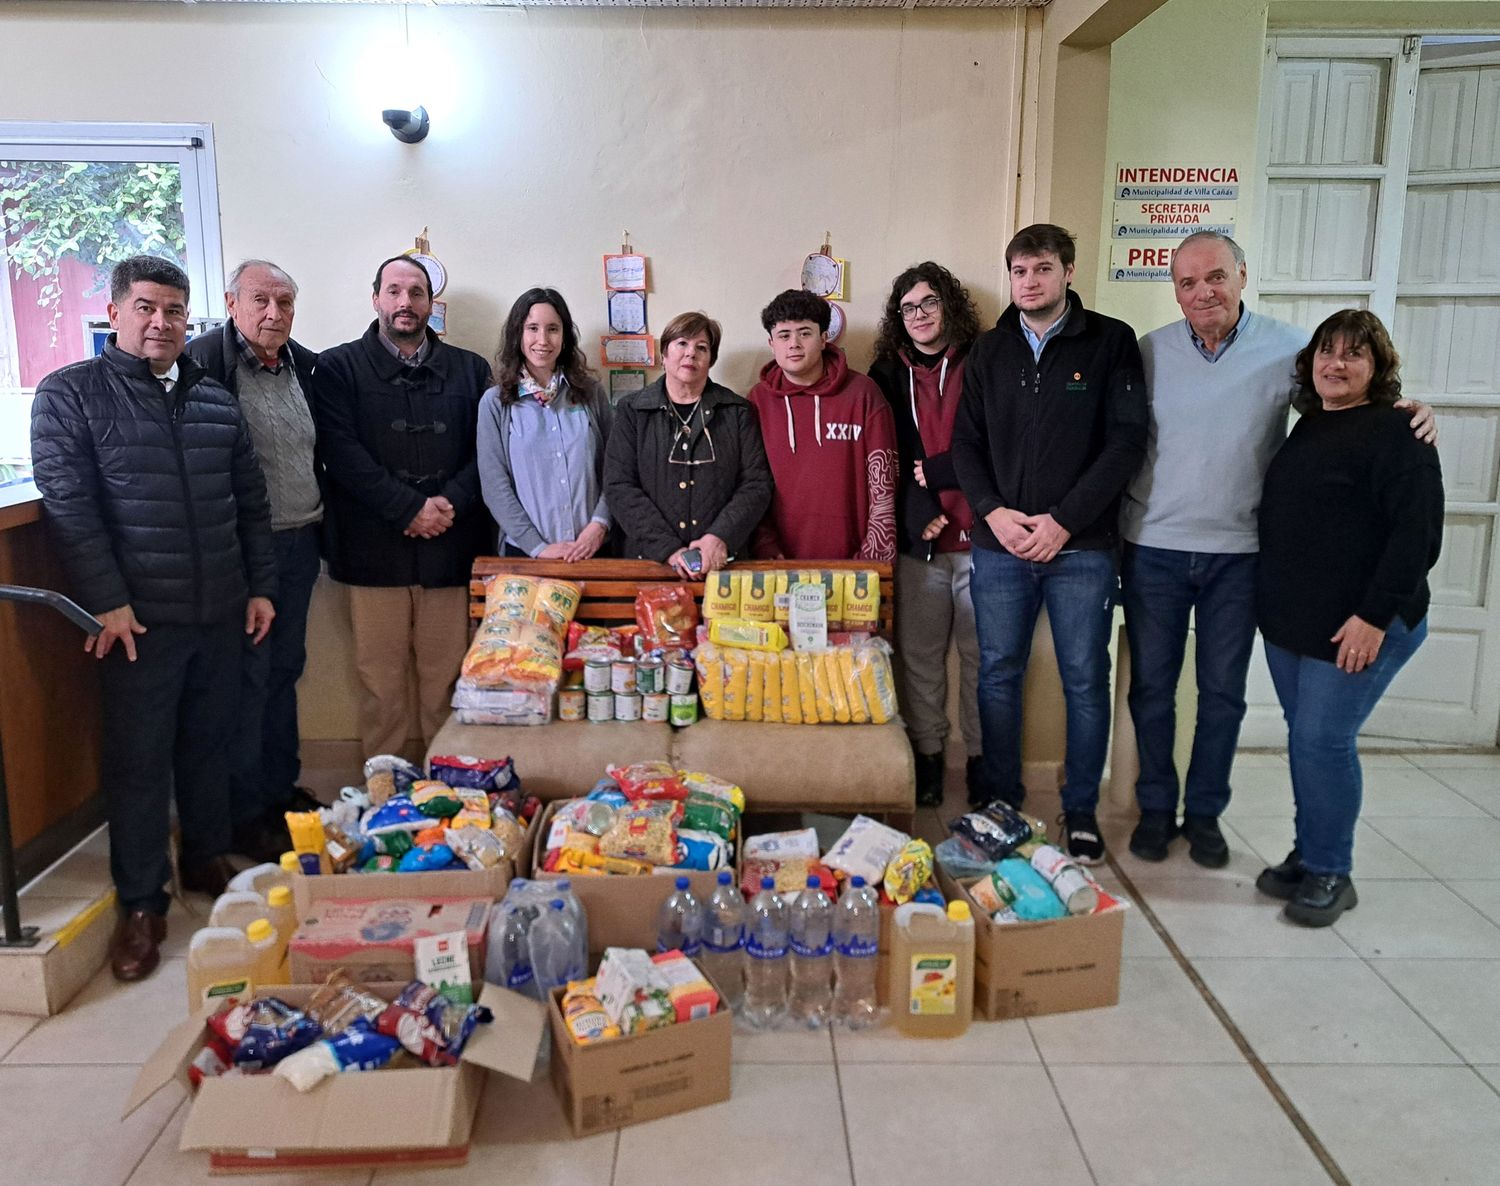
[406, 639]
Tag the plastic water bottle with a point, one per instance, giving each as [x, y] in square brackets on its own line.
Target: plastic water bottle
[564, 889]
[554, 948]
[724, 940]
[856, 947]
[508, 962]
[811, 927]
[679, 926]
[765, 951]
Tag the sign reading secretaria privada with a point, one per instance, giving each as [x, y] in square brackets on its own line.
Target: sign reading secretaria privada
[1158, 204]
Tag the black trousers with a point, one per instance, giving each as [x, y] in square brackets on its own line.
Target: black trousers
[168, 730]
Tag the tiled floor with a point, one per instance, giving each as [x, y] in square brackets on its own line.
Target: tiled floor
[1377, 1036]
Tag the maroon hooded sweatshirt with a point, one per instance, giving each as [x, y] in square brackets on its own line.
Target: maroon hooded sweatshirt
[832, 449]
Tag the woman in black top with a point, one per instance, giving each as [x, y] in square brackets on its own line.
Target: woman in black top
[1350, 523]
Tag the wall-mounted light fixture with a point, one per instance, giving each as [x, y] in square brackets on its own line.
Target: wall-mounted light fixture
[407, 126]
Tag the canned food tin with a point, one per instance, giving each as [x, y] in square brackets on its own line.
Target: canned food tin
[684, 709]
[601, 706]
[622, 677]
[656, 706]
[596, 675]
[572, 704]
[649, 678]
[679, 677]
[627, 707]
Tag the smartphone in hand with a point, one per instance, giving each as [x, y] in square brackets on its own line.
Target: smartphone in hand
[692, 560]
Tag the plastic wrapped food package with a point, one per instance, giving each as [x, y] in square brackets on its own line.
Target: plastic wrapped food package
[866, 849]
[655, 779]
[667, 616]
[642, 832]
[516, 655]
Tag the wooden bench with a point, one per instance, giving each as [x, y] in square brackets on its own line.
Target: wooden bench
[841, 768]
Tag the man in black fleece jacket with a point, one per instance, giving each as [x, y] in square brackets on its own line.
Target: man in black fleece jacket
[1051, 427]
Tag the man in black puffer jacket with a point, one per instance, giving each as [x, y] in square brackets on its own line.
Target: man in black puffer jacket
[158, 509]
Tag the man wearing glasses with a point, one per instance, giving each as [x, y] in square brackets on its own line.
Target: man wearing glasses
[397, 411]
[830, 440]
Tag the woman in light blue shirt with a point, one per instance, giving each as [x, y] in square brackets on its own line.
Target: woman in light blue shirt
[542, 430]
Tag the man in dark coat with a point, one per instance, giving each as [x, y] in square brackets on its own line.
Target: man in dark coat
[158, 509]
[397, 411]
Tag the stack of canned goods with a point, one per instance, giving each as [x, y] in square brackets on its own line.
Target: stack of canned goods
[645, 689]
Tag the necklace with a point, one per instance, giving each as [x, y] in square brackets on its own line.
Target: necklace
[684, 423]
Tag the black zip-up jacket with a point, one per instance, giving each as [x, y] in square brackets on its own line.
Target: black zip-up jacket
[1062, 436]
[154, 500]
[661, 507]
[393, 436]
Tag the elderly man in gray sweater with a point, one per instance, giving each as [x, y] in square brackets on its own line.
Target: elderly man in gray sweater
[1219, 383]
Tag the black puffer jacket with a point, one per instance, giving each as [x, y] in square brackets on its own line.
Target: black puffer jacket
[661, 507]
[391, 437]
[154, 500]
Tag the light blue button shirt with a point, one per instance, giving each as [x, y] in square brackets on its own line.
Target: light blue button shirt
[1037, 343]
[552, 465]
[1215, 355]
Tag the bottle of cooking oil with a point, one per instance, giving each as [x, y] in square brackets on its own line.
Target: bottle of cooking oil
[221, 966]
[932, 969]
[268, 954]
[238, 909]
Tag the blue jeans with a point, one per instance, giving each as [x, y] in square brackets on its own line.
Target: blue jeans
[1324, 709]
[267, 762]
[1160, 587]
[1078, 589]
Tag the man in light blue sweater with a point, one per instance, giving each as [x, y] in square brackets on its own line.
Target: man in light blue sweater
[1219, 384]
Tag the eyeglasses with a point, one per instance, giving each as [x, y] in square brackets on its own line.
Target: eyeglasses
[681, 449]
[929, 306]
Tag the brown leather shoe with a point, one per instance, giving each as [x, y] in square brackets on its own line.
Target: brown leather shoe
[135, 948]
[211, 877]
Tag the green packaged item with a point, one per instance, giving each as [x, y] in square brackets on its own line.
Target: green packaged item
[393, 844]
[436, 800]
[706, 813]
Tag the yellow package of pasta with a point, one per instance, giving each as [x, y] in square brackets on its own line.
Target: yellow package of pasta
[721, 595]
[872, 663]
[823, 689]
[771, 690]
[791, 697]
[859, 714]
[861, 600]
[758, 597]
[807, 688]
[736, 679]
[834, 583]
[783, 599]
[755, 686]
[710, 663]
[837, 691]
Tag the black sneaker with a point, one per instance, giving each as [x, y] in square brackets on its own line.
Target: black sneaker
[1153, 835]
[1321, 898]
[1281, 881]
[1084, 841]
[1206, 844]
[974, 780]
[929, 779]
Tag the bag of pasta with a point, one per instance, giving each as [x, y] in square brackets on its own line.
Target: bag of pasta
[872, 668]
[643, 831]
[512, 654]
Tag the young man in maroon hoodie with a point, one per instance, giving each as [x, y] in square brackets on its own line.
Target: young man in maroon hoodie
[831, 442]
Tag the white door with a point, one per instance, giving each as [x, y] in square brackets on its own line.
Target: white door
[1382, 190]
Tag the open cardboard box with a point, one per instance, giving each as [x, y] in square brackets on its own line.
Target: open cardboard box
[1026, 969]
[415, 1115]
[622, 910]
[619, 1081]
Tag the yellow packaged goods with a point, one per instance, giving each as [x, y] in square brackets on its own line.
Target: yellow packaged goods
[308, 841]
[709, 661]
[755, 687]
[807, 689]
[548, 603]
[758, 597]
[721, 595]
[908, 871]
[823, 689]
[643, 832]
[710, 784]
[859, 714]
[736, 681]
[556, 603]
[745, 635]
[872, 663]
[513, 654]
[861, 601]
[508, 596]
[829, 661]
[509, 831]
[586, 1018]
[783, 601]
[771, 692]
[791, 698]
[834, 583]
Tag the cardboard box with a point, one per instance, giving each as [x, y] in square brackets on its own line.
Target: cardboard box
[622, 911]
[622, 1081]
[373, 940]
[1027, 969]
[414, 1116]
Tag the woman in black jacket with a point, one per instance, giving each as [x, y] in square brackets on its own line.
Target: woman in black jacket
[1351, 520]
[686, 468]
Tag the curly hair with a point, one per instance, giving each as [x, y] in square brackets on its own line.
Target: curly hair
[960, 315]
[1356, 327]
[570, 359]
[796, 305]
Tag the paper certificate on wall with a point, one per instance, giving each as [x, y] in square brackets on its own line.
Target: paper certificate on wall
[628, 350]
[836, 322]
[437, 320]
[824, 275]
[625, 271]
[627, 312]
[623, 382]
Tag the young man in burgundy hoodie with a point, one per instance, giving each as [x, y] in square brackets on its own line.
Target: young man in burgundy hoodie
[830, 440]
